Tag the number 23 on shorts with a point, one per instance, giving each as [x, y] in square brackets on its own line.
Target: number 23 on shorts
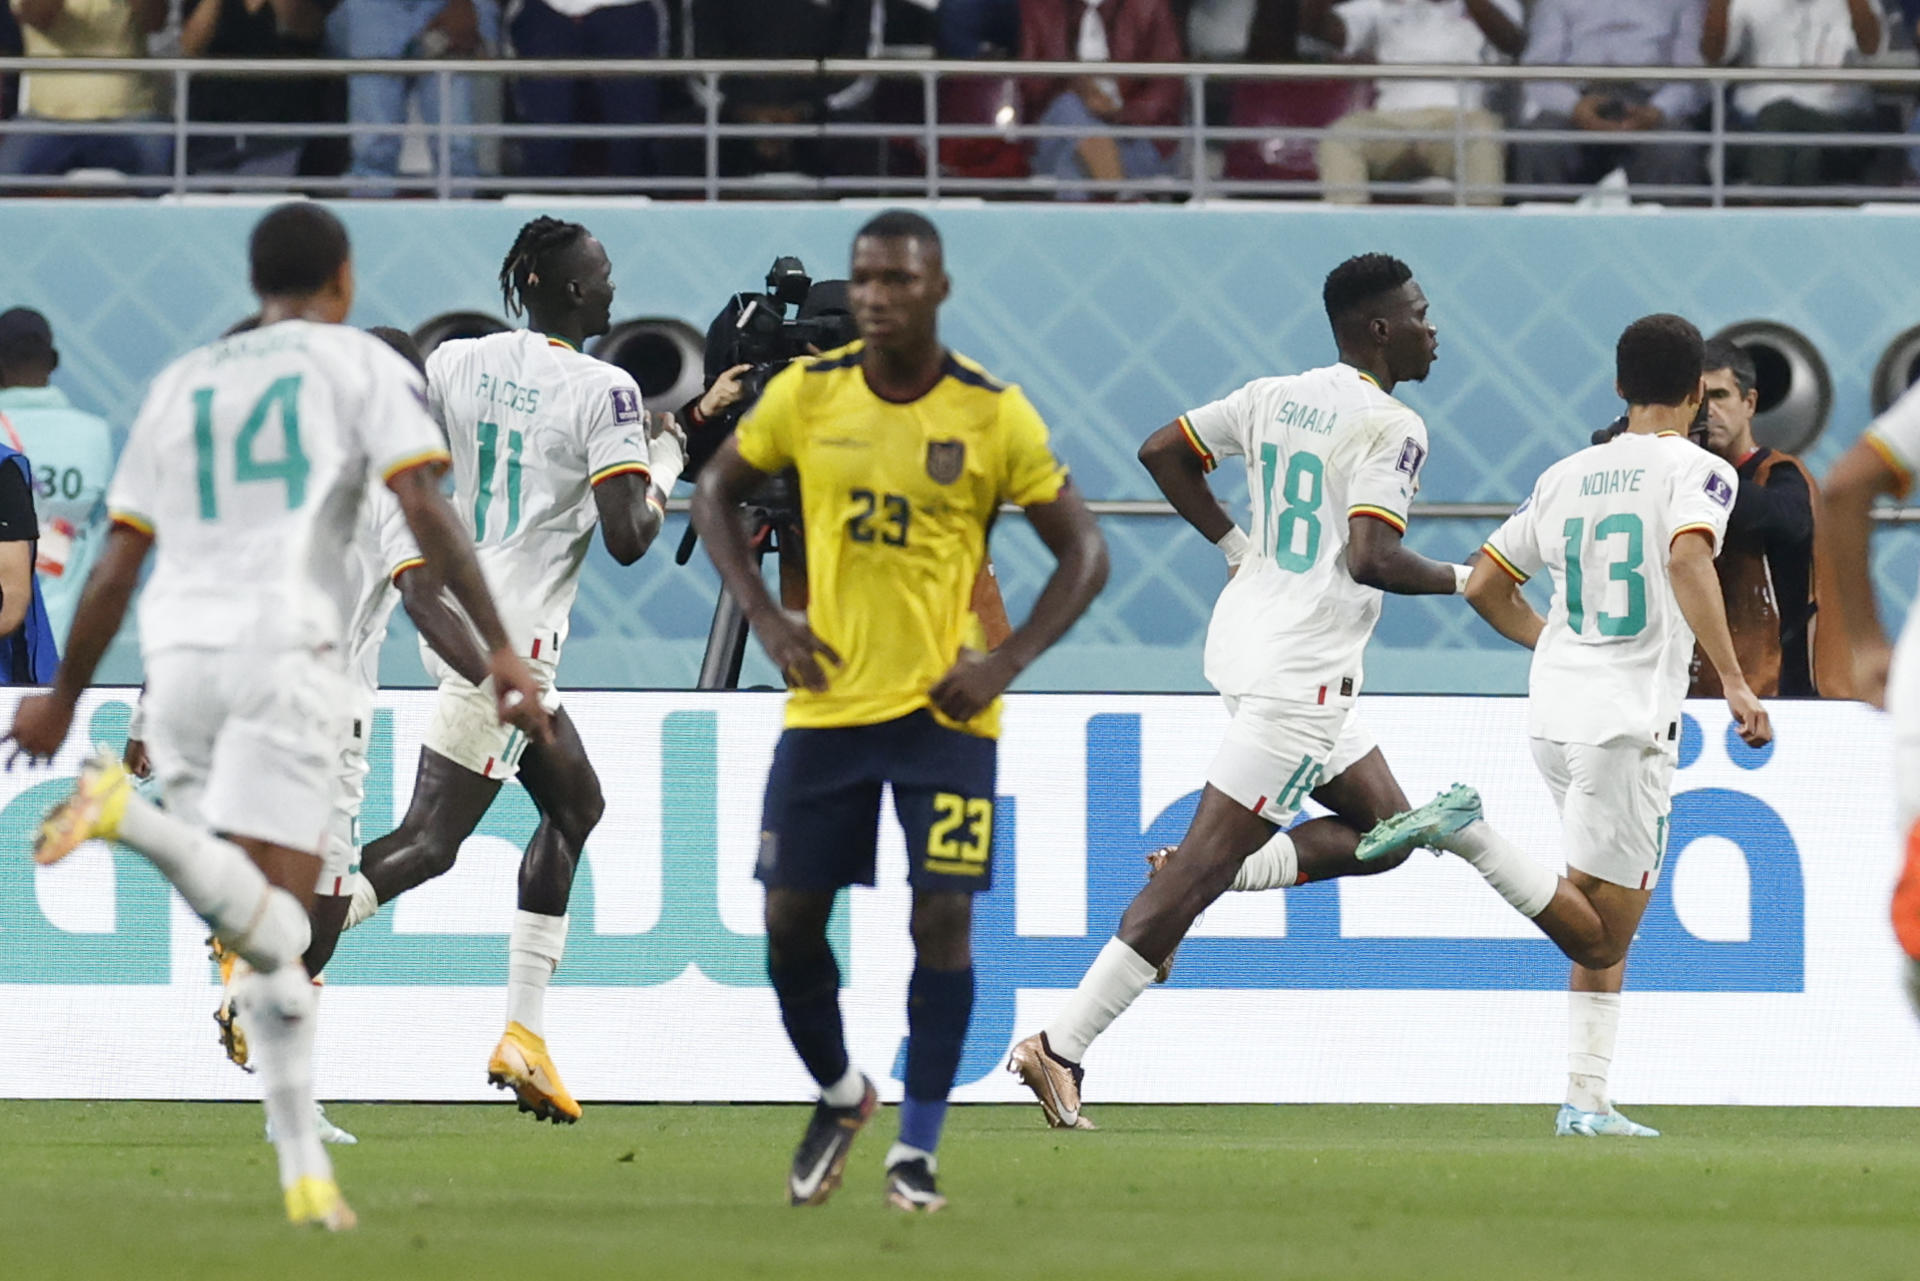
[961, 835]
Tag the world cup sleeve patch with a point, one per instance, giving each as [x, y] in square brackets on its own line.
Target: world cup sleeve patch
[1411, 456]
[626, 405]
[1719, 490]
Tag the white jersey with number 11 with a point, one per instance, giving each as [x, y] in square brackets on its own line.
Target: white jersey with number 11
[533, 425]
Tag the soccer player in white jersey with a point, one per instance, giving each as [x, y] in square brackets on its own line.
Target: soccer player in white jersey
[1628, 531]
[245, 472]
[547, 443]
[1883, 462]
[1333, 461]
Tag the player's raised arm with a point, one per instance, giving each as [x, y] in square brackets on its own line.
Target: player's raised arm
[1864, 473]
[447, 549]
[632, 499]
[725, 482]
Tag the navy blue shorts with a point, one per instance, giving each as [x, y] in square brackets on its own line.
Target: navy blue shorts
[822, 818]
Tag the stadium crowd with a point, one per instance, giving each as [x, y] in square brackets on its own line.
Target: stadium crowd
[1395, 131]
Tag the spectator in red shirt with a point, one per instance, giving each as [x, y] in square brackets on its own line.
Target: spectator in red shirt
[1100, 31]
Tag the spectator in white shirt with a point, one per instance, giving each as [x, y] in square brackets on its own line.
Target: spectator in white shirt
[1797, 33]
[1611, 33]
[1463, 32]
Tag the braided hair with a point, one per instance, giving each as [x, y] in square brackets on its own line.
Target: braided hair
[531, 257]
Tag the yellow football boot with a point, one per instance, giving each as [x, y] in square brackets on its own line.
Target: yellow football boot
[232, 1039]
[92, 812]
[316, 1202]
[520, 1063]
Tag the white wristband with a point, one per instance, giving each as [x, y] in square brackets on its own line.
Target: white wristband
[666, 461]
[1233, 545]
[1461, 573]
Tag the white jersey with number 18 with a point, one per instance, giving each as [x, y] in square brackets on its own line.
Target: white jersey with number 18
[1612, 661]
[249, 464]
[534, 425]
[1321, 447]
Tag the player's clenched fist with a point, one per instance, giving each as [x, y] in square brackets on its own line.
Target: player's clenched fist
[971, 684]
[516, 696]
[40, 725]
[1756, 730]
[794, 649]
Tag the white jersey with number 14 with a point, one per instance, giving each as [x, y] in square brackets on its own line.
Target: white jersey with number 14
[1321, 447]
[534, 425]
[249, 464]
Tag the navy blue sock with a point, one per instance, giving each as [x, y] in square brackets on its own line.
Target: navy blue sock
[809, 992]
[939, 1004]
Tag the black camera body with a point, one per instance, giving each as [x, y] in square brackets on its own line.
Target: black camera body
[795, 316]
[756, 328]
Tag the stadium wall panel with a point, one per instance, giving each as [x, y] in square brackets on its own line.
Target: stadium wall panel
[1114, 320]
[1765, 972]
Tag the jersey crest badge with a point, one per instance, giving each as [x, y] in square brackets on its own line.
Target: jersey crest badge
[1719, 490]
[946, 459]
[626, 405]
[1411, 456]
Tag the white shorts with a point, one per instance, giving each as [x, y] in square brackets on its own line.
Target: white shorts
[1903, 701]
[245, 741]
[466, 727]
[1277, 750]
[342, 857]
[1614, 801]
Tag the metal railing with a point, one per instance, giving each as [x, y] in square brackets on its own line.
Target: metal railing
[906, 153]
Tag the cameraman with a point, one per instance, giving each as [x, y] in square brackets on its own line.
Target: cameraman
[1768, 567]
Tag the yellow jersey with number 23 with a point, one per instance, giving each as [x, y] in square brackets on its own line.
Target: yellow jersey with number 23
[897, 500]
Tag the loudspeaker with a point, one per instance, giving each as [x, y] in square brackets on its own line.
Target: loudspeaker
[1899, 369]
[1795, 389]
[665, 356]
[455, 324]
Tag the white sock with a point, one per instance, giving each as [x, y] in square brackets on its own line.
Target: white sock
[1274, 866]
[277, 1012]
[1523, 881]
[1117, 976]
[900, 1152]
[365, 902]
[847, 1091]
[533, 954]
[264, 925]
[1593, 1020]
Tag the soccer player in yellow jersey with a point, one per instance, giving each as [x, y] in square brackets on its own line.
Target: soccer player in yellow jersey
[905, 451]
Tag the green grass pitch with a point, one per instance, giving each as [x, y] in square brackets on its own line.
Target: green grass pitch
[483, 1194]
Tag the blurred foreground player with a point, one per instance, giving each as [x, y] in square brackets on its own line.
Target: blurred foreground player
[246, 471]
[385, 568]
[1883, 462]
[1628, 530]
[905, 452]
[1333, 462]
[547, 443]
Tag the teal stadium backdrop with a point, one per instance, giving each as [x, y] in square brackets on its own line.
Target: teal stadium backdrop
[1114, 320]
